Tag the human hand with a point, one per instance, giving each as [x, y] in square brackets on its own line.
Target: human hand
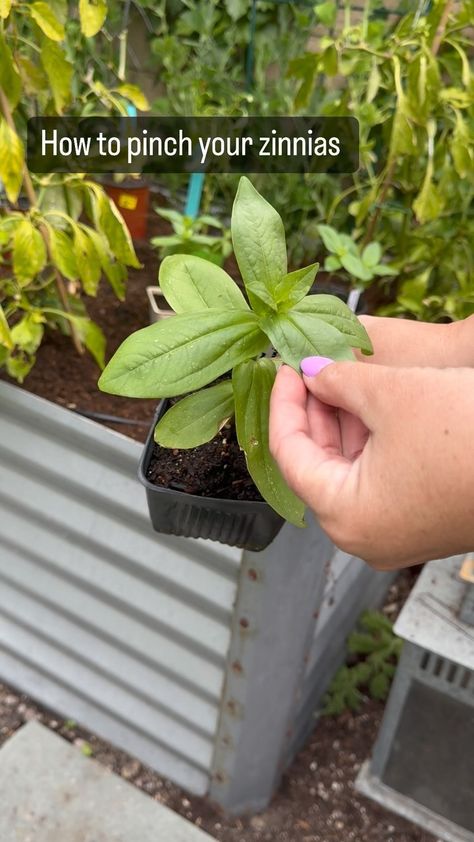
[382, 455]
[404, 342]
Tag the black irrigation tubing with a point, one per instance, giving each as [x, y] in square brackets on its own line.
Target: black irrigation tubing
[110, 419]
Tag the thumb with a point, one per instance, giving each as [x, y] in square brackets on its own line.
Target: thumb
[358, 388]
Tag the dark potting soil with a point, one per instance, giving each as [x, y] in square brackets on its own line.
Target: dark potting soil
[215, 469]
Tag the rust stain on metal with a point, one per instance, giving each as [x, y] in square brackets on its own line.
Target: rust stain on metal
[237, 667]
[244, 623]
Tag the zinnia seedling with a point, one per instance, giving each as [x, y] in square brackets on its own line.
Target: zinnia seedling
[217, 331]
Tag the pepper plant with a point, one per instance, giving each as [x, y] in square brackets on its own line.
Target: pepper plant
[59, 234]
[219, 332]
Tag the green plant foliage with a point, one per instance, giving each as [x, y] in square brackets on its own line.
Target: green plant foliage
[71, 234]
[362, 263]
[410, 83]
[374, 653]
[191, 237]
[216, 332]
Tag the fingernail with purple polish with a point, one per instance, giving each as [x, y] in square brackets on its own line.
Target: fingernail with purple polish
[311, 366]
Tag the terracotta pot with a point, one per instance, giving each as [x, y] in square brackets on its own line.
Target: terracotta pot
[132, 199]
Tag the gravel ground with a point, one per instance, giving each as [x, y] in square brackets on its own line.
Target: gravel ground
[316, 801]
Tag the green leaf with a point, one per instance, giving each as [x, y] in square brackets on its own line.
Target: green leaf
[87, 261]
[361, 643]
[28, 333]
[59, 72]
[332, 263]
[135, 95]
[331, 239]
[47, 21]
[62, 253]
[296, 335]
[294, 286]
[402, 140]
[236, 8]
[115, 272]
[372, 254]
[197, 418]
[379, 686]
[10, 79]
[11, 161]
[182, 354]
[326, 12]
[18, 365]
[335, 312]
[5, 333]
[29, 252]
[382, 269]
[355, 267]
[374, 81]
[376, 622]
[191, 284]
[112, 224]
[92, 15]
[5, 8]
[330, 60]
[60, 9]
[93, 338]
[456, 97]
[32, 76]
[253, 383]
[462, 148]
[429, 202]
[259, 243]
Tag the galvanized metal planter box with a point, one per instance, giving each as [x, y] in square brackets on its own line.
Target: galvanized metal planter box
[423, 763]
[204, 661]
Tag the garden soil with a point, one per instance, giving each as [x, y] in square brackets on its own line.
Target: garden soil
[316, 801]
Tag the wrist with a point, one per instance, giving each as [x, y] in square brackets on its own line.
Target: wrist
[459, 344]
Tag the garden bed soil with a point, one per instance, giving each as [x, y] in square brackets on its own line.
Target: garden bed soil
[316, 801]
[64, 377]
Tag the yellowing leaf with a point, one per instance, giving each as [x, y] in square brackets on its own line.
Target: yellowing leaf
[5, 7]
[429, 202]
[11, 161]
[32, 76]
[135, 95]
[92, 14]
[10, 80]
[87, 261]
[29, 252]
[113, 226]
[5, 334]
[462, 149]
[59, 72]
[62, 253]
[47, 21]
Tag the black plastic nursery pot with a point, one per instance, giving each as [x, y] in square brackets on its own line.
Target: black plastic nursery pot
[251, 525]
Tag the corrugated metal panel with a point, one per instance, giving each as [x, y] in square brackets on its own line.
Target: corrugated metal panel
[100, 618]
[351, 587]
